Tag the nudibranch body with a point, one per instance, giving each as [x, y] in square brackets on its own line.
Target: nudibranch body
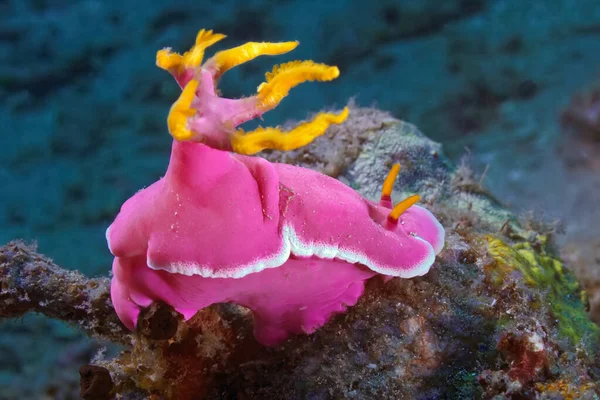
[292, 245]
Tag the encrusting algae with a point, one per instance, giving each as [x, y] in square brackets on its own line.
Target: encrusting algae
[560, 291]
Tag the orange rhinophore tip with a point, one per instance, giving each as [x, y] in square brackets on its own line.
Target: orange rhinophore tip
[388, 183]
[401, 207]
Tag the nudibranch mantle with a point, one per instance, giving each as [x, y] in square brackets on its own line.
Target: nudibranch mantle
[262, 214]
[291, 244]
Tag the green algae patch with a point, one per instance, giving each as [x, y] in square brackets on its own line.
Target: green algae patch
[557, 285]
[465, 385]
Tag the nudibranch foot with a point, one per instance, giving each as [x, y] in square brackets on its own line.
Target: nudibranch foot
[301, 297]
[304, 313]
[127, 310]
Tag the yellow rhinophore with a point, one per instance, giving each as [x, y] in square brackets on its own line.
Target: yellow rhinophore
[168, 60]
[286, 76]
[225, 115]
[180, 111]
[278, 84]
[228, 59]
[273, 138]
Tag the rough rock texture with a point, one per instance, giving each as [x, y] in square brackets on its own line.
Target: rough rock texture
[30, 282]
[499, 314]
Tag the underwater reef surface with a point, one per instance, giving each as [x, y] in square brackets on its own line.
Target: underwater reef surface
[85, 105]
[500, 315]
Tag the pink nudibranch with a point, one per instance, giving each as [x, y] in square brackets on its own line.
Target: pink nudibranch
[292, 245]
